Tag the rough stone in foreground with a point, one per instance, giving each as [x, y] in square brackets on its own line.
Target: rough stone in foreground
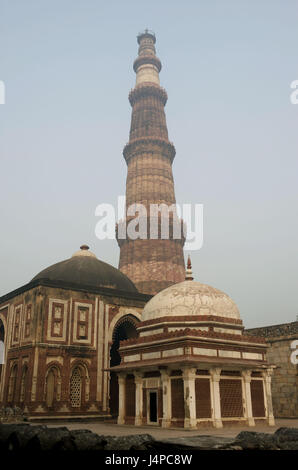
[188, 443]
[287, 438]
[250, 440]
[85, 440]
[18, 437]
[51, 439]
[133, 442]
[6, 430]
[282, 439]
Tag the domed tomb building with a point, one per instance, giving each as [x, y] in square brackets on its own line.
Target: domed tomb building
[61, 332]
[192, 365]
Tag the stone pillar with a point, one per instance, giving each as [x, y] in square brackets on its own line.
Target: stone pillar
[190, 419]
[267, 374]
[139, 398]
[121, 412]
[166, 399]
[34, 375]
[246, 375]
[215, 397]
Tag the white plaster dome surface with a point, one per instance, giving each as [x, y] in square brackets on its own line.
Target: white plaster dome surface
[190, 298]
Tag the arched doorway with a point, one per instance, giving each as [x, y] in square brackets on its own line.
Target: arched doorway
[2, 337]
[124, 329]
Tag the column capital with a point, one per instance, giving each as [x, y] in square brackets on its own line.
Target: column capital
[189, 372]
[121, 376]
[165, 373]
[246, 374]
[138, 376]
[267, 373]
[215, 373]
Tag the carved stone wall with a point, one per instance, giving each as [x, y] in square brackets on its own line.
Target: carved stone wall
[285, 377]
[57, 345]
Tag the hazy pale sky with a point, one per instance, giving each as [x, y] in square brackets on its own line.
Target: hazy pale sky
[227, 68]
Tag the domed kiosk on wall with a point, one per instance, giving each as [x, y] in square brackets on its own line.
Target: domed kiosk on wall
[191, 364]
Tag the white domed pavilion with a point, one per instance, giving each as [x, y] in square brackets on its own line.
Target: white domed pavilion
[191, 365]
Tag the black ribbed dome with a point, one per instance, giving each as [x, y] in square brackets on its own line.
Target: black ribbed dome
[84, 269]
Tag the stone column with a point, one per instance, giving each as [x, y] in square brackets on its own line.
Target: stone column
[246, 375]
[121, 412]
[190, 419]
[215, 397]
[139, 398]
[267, 374]
[34, 375]
[166, 399]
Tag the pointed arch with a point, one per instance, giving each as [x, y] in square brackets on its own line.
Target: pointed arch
[12, 386]
[134, 317]
[52, 390]
[76, 388]
[124, 328]
[24, 380]
[79, 387]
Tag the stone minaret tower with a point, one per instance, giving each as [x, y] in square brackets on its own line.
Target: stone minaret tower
[152, 264]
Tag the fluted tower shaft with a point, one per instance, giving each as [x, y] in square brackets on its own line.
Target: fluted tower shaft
[152, 264]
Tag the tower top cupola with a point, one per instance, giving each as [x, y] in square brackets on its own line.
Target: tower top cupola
[147, 66]
[148, 35]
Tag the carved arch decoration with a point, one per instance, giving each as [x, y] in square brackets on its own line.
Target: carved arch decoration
[52, 384]
[12, 383]
[127, 318]
[24, 382]
[79, 383]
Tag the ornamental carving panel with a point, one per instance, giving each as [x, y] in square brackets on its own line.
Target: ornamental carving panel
[17, 325]
[27, 326]
[57, 320]
[83, 319]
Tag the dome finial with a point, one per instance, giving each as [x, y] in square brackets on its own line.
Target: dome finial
[84, 247]
[188, 272]
[84, 251]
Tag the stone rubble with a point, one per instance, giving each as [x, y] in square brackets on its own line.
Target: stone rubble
[26, 437]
